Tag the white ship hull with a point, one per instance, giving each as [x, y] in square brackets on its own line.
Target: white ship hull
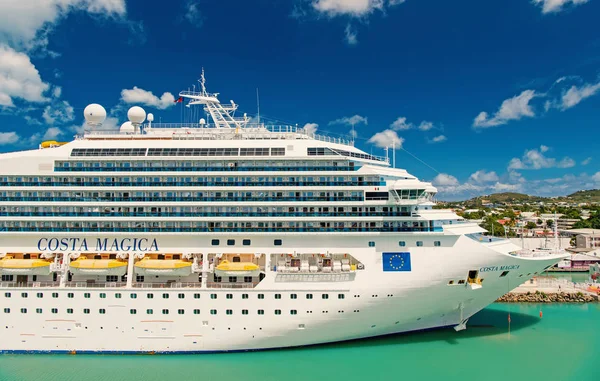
[374, 303]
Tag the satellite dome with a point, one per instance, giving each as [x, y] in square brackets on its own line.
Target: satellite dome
[150, 117]
[127, 127]
[136, 115]
[94, 114]
[202, 121]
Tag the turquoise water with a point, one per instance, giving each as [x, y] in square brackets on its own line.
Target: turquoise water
[563, 345]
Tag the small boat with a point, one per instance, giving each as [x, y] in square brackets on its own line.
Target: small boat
[226, 268]
[98, 266]
[175, 267]
[10, 265]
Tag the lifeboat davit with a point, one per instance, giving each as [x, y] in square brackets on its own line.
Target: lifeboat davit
[159, 267]
[98, 266]
[226, 268]
[10, 265]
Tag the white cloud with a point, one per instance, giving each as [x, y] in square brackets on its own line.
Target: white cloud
[58, 113]
[141, 96]
[586, 161]
[310, 128]
[425, 126]
[350, 35]
[544, 148]
[444, 180]
[401, 124]
[19, 78]
[193, 14]
[551, 6]
[596, 177]
[535, 159]
[439, 139]
[26, 23]
[350, 121]
[354, 8]
[576, 94]
[8, 138]
[57, 91]
[52, 133]
[513, 108]
[482, 176]
[386, 139]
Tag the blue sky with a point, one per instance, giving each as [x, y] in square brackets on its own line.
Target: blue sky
[485, 96]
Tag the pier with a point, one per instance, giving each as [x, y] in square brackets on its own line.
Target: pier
[551, 290]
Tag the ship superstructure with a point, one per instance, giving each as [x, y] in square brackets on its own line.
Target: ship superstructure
[229, 235]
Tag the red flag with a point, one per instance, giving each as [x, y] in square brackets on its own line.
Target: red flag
[178, 100]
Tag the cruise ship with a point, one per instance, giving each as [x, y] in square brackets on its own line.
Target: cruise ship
[228, 234]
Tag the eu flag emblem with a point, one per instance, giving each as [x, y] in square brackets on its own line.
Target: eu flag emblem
[396, 261]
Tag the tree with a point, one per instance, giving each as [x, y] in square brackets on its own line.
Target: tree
[539, 221]
[530, 225]
[550, 223]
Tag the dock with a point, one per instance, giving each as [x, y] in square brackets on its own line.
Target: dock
[545, 290]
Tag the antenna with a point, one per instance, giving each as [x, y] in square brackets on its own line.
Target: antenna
[352, 132]
[257, 106]
[393, 152]
[386, 149]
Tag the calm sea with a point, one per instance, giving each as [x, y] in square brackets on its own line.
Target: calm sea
[562, 345]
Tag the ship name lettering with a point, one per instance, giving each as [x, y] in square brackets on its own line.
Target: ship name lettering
[498, 268]
[102, 244]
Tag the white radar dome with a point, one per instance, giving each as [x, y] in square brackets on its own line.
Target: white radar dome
[127, 127]
[150, 117]
[136, 115]
[202, 121]
[94, 114]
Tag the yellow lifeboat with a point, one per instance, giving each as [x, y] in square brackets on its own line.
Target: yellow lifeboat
[98, 266]
[175, 267]
[10, 265]
[52, 144]
[226, 268]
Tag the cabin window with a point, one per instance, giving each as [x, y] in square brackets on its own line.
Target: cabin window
[293, 296]
[229, 296]
[23, 295]
[165, 296]
[149, 311]
[244, 296]
[341, 296]
[86, 295]
[55, 294]
[54, 310]
[70, 295]
[112, 278]
[23, 310]
[180, 311]
[277, 242]
[149, 296]
[165, 311]
[196, 312]
[7, 294]
[181, 296]
[38, 310]
[133, 311]
[69, 310]
[213, 296]
[293, 312]
[86, 311]
[102, 295]
[230, 242]
[277, 296]
[504, 273]
[7, 310]
[248, 279]
[102, 311]
[215, 242]
[139, 278]
[213, 312]
[371, 243]
[244, 312]
[260, 312]
[402, 243]
[261, 296]
[437, 243]
[246, 242]
[229, 312]
[277, 312]
[40, 295]
[419, 243]
[325, 296]
[133, 296]
[309, 296]
[232, 279]
[118, 295]
[7, 278]
[196, 296]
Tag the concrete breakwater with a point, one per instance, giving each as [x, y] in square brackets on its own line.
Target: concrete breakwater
[548, 297]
